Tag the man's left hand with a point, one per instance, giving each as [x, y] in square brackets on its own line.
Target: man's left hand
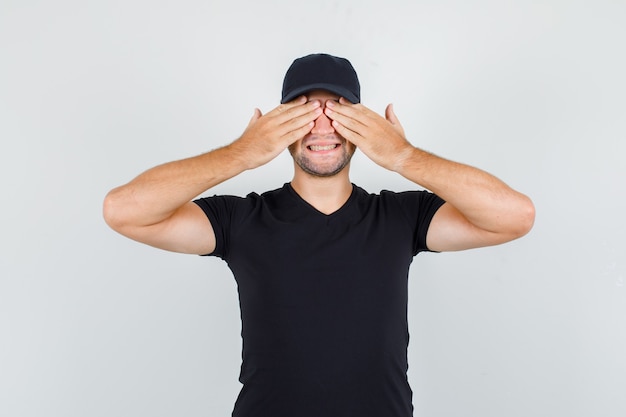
[380, 139]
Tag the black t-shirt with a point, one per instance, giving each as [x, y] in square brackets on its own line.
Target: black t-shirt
[323, 299]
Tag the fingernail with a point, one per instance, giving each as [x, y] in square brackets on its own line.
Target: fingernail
[330, 103]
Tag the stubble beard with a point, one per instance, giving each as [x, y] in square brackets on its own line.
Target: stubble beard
[316, 169]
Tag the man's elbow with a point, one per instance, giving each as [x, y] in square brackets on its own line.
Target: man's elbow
[524, 217]
[113, 211]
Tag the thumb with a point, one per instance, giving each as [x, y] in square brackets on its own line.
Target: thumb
[391, 116]
[256, 116]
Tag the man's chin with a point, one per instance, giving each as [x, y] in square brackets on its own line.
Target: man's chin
[325, 172]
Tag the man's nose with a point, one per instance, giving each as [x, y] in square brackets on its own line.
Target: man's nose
[323, 125]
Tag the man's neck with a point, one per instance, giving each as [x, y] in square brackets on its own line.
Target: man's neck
[326, 194]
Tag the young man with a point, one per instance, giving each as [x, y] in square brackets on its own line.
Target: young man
[321, 265]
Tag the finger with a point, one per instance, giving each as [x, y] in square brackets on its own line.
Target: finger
[284, 107]
[298, 133]
[286, 112]
[255, 116]
[345, 120]
[298, 101]
[390, 115]
[300, 120]
[354, 111]
[345, 101]
[342, 105]
[349, 135]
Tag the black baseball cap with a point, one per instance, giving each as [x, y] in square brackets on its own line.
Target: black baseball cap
[321, 72]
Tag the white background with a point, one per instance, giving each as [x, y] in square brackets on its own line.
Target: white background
[94, 92]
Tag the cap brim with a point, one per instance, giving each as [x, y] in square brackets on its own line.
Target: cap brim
[339, 90]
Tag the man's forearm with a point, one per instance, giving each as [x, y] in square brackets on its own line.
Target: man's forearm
[483, 199]
[157, 193]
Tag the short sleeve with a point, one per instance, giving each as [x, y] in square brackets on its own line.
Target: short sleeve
[222, 212]
[419, 207]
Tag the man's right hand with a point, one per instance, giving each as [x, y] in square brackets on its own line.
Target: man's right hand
[268, 135]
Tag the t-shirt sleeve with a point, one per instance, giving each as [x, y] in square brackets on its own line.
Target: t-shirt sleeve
[222, 212]
[419, 207]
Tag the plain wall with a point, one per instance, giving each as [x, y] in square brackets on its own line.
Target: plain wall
[93, 93]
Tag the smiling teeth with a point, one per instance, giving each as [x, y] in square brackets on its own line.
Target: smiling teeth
[322, 148]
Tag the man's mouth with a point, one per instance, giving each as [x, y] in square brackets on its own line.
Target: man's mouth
[322, 147]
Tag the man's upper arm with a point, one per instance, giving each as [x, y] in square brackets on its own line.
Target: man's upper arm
[188, 230]
[449, 230]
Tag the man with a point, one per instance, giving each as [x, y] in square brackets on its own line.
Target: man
[321, 265]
